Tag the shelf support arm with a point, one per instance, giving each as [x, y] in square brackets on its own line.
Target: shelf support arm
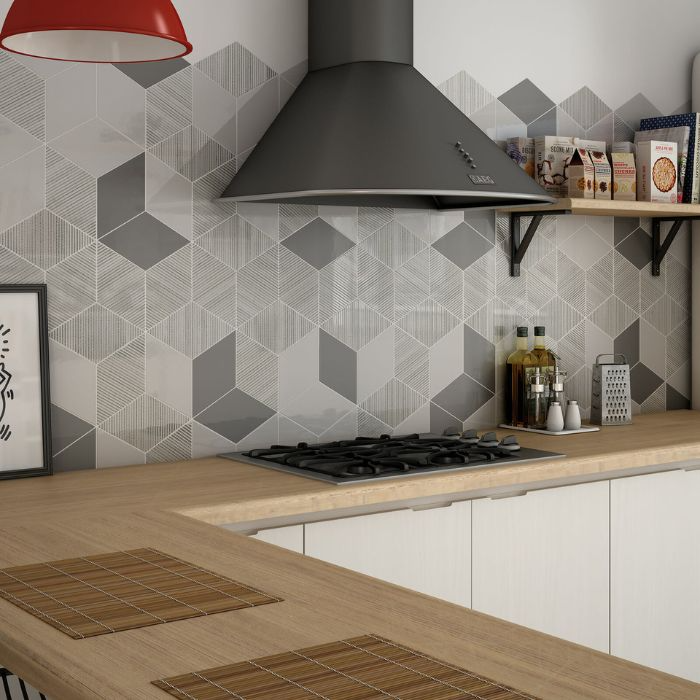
[659, 249]
[518, 247]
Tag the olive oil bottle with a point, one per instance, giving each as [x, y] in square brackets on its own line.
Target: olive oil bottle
[519, 364]
[546, 360]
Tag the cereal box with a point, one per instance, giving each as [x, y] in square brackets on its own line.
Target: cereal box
[603, 175]
[581, 175]
[624, 176]
[522, 151]
[588, 144]
[657, 171]
[552, 158]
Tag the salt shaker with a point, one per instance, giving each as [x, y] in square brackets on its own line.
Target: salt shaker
[573, 416]
[555, 418]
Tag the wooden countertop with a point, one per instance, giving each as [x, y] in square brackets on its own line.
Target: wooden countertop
[83, 513]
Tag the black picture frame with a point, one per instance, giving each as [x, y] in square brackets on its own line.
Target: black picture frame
[43, 336]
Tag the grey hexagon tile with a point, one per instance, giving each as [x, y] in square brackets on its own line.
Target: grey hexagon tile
[71, 99]
[318, 243]
[338, 285]
[652, 345]
[15, 270]
[603, 130]
[479, 283]
[393, 244]
[214, 285]
[677, 348]
[235, 242]
[411, 362]
[256, 110]
[66, 428]
[121, 102]
[479, 358]
[258, 285]
[168, 376]
[150, 73]
[599, 282]
[527, 101]
[485, 119]
[144, 241]
[371, 219]
[168, 197]
[71, 286]
[375, 284]
[643, 382]
[214, 110]
[338, 366]
[545, 125]
[236, 69]
[573, 346]
[71, 192]
[571, 283]
[80, 455]
[568, 125]
[441, 420]
[446, 283]
[627, 343]
[665, 315]
[72, 383]
[558, 317]
[263, 216]
[120, 286]
[318, 408]
[191, 330]
[462, 397]
[174, 448]
[626, 281]
[613, 316]
[44, 239]
[375, 364]
[144, 423]
[465, 92]
[213, 373]
[22, 98]
[14, 141]
[208, 211]
[681, 379]
[298, 284]
[168, 286]
[636, 248]
[191, 153]
[624, 227]
[95, 333]
[412, 284]
[429, 322]
[169, 106]
[369, 426]
[95, 147]
[622, 131]
[22, 188]
[235, 415]
[508, 125]
[121, 194]
[585, 107]
[356, 325]
[675, 401]
[206, 443]
[678, 282]
[636, 109]
[121, 378]
[584, 247]
[298, 368]
[277, 327]
[393, 403]
[341, 218]
[295, 216]
[257, 371]
[463, 246]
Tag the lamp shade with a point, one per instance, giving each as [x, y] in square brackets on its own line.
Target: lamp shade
[95, 31]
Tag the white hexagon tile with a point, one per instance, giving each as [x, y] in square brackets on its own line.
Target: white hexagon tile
[181, 326]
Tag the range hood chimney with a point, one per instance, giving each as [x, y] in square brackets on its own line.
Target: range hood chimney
[365, 128]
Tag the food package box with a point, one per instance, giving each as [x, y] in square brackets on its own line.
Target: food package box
[581, 175]
[657, 171]
[588, 144]
[522, 151]
[623, 147]
[624, 176]
[552, 158]
[602, 187]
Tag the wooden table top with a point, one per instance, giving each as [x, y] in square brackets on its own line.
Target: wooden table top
[163, 507]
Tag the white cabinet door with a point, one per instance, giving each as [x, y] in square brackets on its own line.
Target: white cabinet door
[542, 560]
[289, 537]
[424, 550]
[655, 571]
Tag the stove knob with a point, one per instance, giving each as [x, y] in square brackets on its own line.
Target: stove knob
[488, 440]
[471, 437]
[452, 432]
[509, 442]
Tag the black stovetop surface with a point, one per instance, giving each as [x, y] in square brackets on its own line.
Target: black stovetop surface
[364, 459]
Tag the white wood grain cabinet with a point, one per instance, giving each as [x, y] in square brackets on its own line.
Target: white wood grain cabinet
[655, 571]
[542, 560]
[289, 537]
[425, 550]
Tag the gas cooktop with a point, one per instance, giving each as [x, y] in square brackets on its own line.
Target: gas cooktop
[387, 457]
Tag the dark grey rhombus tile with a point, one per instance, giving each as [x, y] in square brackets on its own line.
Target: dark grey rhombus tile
[546, 125]
[675, 401]
[624, 227]
[80, 455]
[585, 107]
[463, 246]
[66, 428]
[462, 397]
[637, 248]
[643, 382]
[152, 72]
[144, 240]
[318, 243]
[636, 109]
[235, 415]
[526, 101]
[337, 366]
[479, 358]
[627, 343]
[441, 420]
[121, 194]
[213, 373]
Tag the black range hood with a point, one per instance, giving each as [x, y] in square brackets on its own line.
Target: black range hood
[365, 128]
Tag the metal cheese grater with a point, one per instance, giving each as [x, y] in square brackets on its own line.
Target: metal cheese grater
[611, 403]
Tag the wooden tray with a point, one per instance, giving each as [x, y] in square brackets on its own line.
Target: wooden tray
[362, 668]
[582, 429]
[105, 593]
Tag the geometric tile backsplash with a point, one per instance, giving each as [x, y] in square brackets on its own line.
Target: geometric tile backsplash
[181, 326]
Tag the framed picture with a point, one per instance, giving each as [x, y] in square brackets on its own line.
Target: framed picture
[25, 414]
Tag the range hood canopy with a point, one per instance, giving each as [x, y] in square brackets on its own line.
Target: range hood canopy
[365, 128]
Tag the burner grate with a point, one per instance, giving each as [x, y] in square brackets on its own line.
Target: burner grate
[367, 668]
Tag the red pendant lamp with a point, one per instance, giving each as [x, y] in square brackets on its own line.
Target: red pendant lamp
[95, 31]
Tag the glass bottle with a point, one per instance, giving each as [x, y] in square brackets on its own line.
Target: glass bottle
[537, 402]
[545, 358]
[556, 384]
[516, 386]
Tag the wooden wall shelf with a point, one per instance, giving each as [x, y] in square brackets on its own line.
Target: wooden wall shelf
[676, 214]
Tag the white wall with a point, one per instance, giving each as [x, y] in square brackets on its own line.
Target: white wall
[500, 42]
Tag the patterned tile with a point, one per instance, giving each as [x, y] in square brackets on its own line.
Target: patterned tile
[78, 456]
[121, 378]
[258, 285]
[71, 99]
[168, 286]
[73, 385]
[585, 107]
[636, 109]
[627, 343]
[393, 244]
[150, 73]
[526, 101]
[412, 362]
[256, 110]
[66, 428]
[22, 98]
[463, 397]
[298, 284]
[636, 248]
[429, 322]
[169, 107]
[214, 110]
[175, 447]
[479, 359]
[14, 141]
[169, 197]
[163, 364]
[463, 246]
[338, 366]
[235, 242]
[71, 286]
[545, 125]
[22, 188]
[613, 316]
[338, 285]
[318, 243]
[121, 102]
[466, 93]
[257, 371]
[214, 285]
[356, 325]
[584, 248]
[277, 327]
[235, 69]
[643, 382]
[214, 373]
[121, 286]
[375, 364]
[207, 210]
[121, 194]
[393, 403]
[235, 415]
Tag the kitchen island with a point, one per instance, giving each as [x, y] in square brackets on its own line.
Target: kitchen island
[172, 508]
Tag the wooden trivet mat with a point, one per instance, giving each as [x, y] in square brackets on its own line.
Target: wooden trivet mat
[105, 593]
[362, 668]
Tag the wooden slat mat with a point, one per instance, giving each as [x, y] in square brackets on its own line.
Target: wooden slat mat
[89, 596]
[363, 668]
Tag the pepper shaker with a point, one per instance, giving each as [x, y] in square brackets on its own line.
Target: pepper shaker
[572, 420]
[555, 418]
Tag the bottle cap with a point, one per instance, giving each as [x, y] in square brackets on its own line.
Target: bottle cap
[539, 330]
[557, 386]
[573, 403]
[522, 332]
[556, 403]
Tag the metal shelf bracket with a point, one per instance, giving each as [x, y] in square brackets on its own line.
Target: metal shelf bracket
[518, 245]
[659, 249]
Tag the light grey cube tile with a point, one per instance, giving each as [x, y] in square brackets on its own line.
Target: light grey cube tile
[626, 278]
[121, 102]
[277, 327]
[121, 194]
[371, 219]
[168, 197]
[120, 286]
[375, 284]
[22, 188]
[584, 247]
[375, 364]
[71, 99]
[66, 428]
[169, 106]
[257, 371]
[235, 69]
[168, 376]
[393, 403]
[22, 99]
[429, 322]
[652, 347]
[299, 284]
[546, 125]
[636, 109]
[14, 141]
[393, 244]
[168, 285]
[412, 362]
[613, 316]
[446, 283]
[16, 270]
[463, 246]
[209, 211]
[258, 285]
[256, 110]
[603, 130]
[71, 192]
[622, 131]
[627, 343]
[356, 325]
[121, 378]
[71, 286]
[338, 285]
[72, 383]
[214, 285]
[214, 110]
[235, 242]
[678, 348]
[479, 358]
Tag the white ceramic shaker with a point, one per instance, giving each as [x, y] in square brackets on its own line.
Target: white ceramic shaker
[573, 416]
[555, 418]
